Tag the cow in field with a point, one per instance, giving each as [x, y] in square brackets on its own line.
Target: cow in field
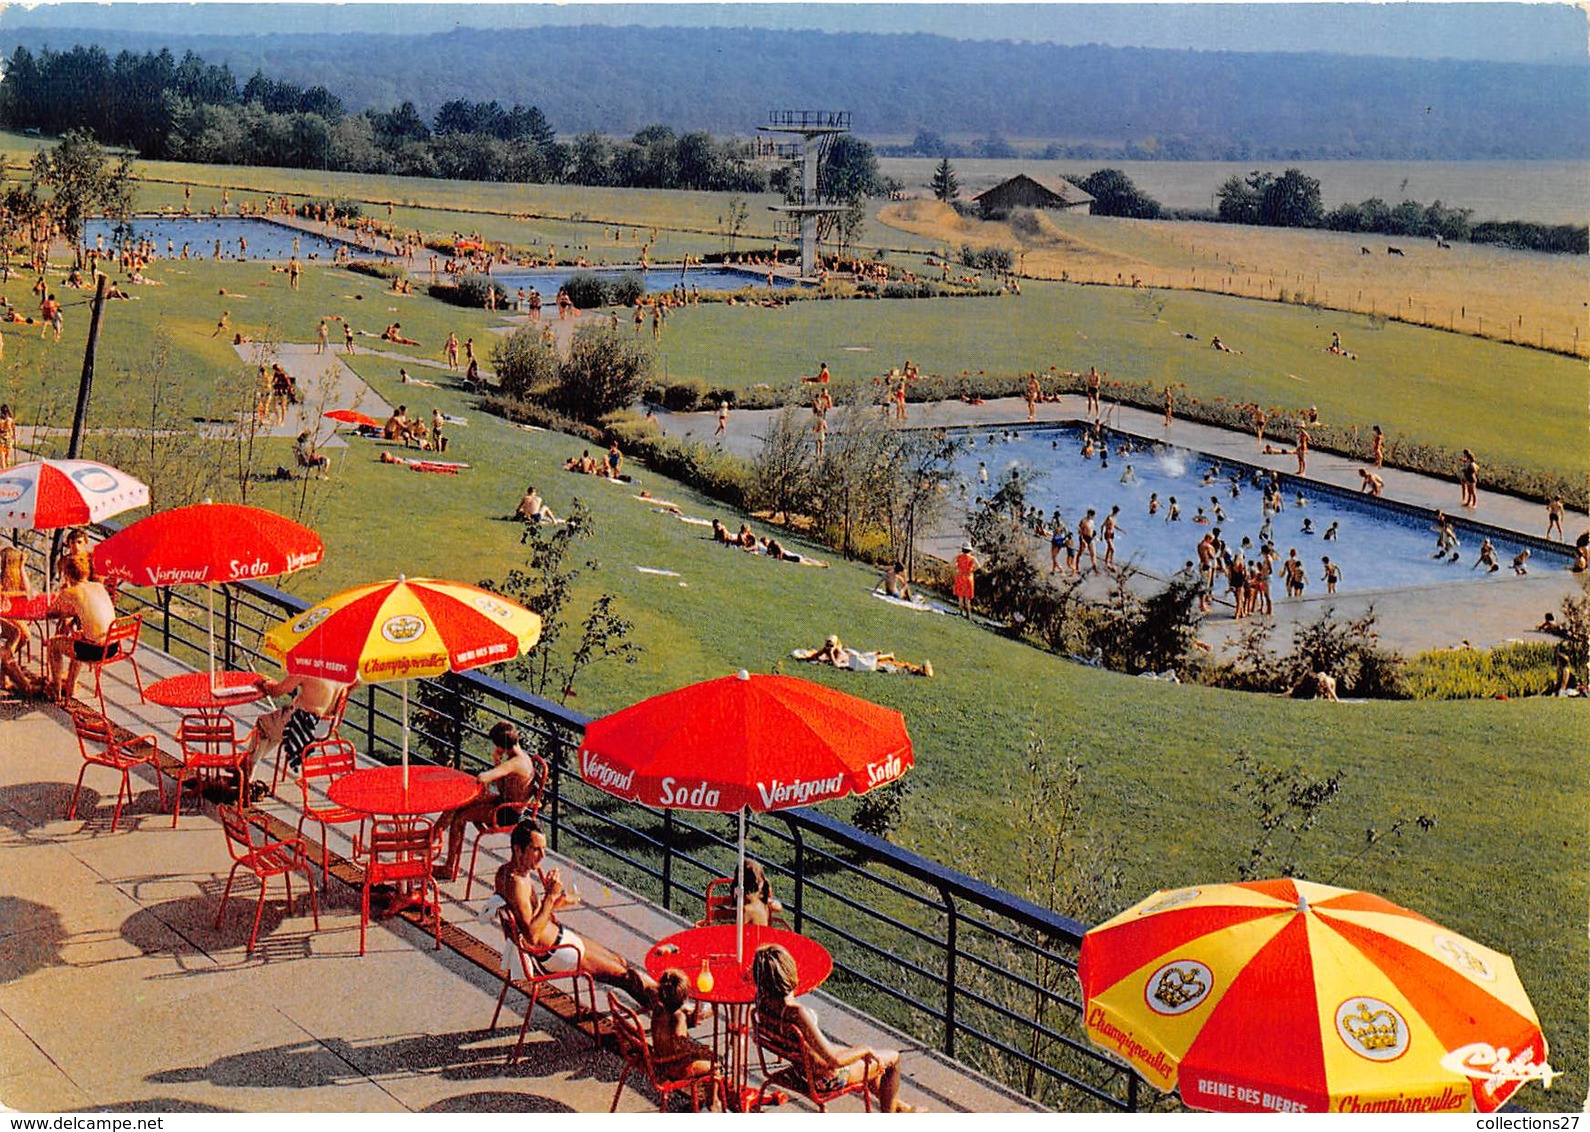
[1364, 251]
[1394, 251]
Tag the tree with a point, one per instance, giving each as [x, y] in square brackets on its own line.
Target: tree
[84, 183]
[1114, 194]
[526, 369]
[781, 472]
[1242, 197]
[851, 170]
[1292, 200]
[928, 143]
[945, 184]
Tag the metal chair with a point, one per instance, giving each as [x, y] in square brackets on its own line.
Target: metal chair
[333, 731]
[524, 970]
[401, 851]
[98, 742]
[635, 1048]
[265, 859]
[123, 633]
[335, 758]
[209, 743]
[531, 809]
[798, 1073]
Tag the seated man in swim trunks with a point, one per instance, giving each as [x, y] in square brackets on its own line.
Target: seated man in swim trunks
[89, 604]
[293, 725]
[536, 922]
[518, 778]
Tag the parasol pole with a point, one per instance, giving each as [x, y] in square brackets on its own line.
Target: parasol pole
[209, 594]
[739, 885]
[405, 736]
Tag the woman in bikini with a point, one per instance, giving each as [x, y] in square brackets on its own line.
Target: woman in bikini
[778, 1014]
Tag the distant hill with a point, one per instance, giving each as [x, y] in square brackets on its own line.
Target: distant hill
[1088, 100]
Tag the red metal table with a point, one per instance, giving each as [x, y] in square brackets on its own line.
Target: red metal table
[732, 988]
[35, 611]
[192, 691]
[380, 791]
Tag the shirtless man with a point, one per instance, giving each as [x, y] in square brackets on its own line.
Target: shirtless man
[1091, 384]
[1085, 535]
[292, 725]
[519, 778]
[1111, 527]
[1302, 451]
[1373, 484]
[536, 923]
[89, 604]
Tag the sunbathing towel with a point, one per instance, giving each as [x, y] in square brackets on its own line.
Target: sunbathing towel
[655, 502]
[693, 520]
[450, 419]
[919, 605]
[660, 573]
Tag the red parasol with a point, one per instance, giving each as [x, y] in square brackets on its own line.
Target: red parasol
[745, 742]
[208, 543]
[350, 416]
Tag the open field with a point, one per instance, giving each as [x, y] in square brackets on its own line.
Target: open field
[1526, 297]
[1158, 779]
[1549, 192]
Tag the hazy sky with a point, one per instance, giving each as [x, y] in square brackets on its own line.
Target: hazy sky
[1542, 32]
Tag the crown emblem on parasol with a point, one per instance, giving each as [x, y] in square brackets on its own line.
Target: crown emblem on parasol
[1373, 1030]
[1179, 986]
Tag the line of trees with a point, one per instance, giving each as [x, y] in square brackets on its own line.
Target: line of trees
[1293, 200]
[189, 110]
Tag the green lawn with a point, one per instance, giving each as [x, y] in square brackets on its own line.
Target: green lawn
[1419, 384]
[1506, 781]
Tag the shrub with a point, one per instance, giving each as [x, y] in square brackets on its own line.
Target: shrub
[605, 371]
[346, 207]
[534, 413]
[470, 291]
[987, 259]
[1520, 669]
[586, 290]
[683, 396]
[379, 269]
[525, 367]
[623, 291]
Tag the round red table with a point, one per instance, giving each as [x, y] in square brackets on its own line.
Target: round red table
[732, 987]
[380, 790]
[192, 691]
[34, 610]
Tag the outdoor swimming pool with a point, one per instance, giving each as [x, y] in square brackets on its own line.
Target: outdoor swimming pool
[266, 240]
[1378, 546]
[659, 278]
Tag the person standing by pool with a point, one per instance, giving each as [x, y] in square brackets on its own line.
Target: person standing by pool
[723, 419]
[1170, 404]
[1378, 450]
[965, 586]
[322, 336]
[450, 350]
[1302, 450]
[1086, 531]
[1259, 582]
[295, 270]
[1259, 421]
[1110, 529]
[347, 336]
[1554, 513]
[1333, 574]
[1469, 480]
[1030, 395]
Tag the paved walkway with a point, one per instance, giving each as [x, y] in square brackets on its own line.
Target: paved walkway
[118, 993]
[1484, 612]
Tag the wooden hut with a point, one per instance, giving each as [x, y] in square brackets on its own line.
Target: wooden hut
[1023, 191]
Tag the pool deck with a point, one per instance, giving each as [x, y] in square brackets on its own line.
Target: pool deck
[1483, 612]
[118, 993]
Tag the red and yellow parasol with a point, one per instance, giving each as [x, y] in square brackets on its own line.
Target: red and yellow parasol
[1284, 995]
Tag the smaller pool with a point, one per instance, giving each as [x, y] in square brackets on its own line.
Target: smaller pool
[221, 238]
[1377, 545]
[656, 279]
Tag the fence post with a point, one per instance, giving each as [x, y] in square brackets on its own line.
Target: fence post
[165, 620]
[800, 876]
[950, 956]
[668, 859]
[229, 621]
[557, 791]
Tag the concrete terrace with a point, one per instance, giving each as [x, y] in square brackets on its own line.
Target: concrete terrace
[1412, 619]
[117, 992]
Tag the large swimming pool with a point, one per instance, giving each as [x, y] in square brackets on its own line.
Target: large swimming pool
[1377, 545]
[202, 236]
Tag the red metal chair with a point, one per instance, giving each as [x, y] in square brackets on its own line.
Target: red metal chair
[532, 808]
[209, 743]
[720, 907]
[335, 758]
[96, 739]
[265, 859]
[332, 722]
[524, 969]
[797, 1071]
[635, 1048]
[402, 851]
[123, 633]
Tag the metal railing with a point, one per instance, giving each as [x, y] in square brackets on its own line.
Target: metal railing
[977, 972]
[808, 120]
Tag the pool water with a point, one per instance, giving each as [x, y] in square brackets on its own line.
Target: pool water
[656, 279]
[266, 240]
[1377, 546]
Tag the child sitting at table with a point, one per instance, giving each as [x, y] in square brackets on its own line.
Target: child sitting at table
[677, 1054]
